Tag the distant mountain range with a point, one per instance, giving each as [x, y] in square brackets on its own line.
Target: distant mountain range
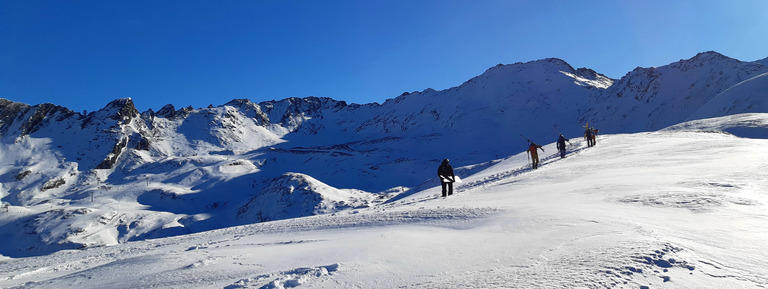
[117, 174]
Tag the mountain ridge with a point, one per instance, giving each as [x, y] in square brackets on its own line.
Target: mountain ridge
[177, 171]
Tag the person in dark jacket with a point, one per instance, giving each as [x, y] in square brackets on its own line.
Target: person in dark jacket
[588, 136]
[445, 173]
[534, 154]
[561, 145]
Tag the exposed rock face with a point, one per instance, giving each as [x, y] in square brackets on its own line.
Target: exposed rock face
[112, 157]
[168, 111]
[9, 112]
[144, 144]
[250, 109]
[124, 109]
[292, 112]
[29, 119]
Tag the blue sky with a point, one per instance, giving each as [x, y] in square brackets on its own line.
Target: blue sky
[83, 54]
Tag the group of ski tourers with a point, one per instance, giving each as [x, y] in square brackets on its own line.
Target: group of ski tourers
[445, 171]
[590, 135]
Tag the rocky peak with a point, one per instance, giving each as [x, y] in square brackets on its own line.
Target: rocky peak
[556, 62]
[640, 83]
[705, 59]
[240, 102]
[587, 73]
[168, 111]
[709, 56]
[308, 106]
[525, 73]
[8, 106]
[29, 118]
[43, 111]
[9, 111]
[121, 109]
[553, 64]
[250, 109]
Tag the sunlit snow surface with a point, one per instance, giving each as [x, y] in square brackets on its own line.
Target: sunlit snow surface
[218, 197]
[670, 209]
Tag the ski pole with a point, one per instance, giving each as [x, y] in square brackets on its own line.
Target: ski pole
[527, 153]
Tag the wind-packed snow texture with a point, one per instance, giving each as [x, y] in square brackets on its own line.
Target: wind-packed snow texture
[319, 193]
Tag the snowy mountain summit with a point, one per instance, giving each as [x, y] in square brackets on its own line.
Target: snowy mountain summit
[74, 180]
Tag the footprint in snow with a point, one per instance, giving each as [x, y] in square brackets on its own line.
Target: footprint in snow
[287, 279]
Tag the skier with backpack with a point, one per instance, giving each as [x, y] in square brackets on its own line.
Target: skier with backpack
[445, 173]
[588, 135]
[561, 145]
[534, 154]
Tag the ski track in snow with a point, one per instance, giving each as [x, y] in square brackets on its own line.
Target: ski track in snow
[494, 179]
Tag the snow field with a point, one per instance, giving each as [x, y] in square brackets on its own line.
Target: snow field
[667, 209]
[677, 208]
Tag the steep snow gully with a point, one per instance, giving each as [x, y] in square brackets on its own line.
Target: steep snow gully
[318, 193]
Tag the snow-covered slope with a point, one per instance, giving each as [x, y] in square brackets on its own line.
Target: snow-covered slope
[648, 99]
[297, 195]
[763, 61]
[116, 175]
[748, 125]
[674, 209]
[493, 109]
[749, 96]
